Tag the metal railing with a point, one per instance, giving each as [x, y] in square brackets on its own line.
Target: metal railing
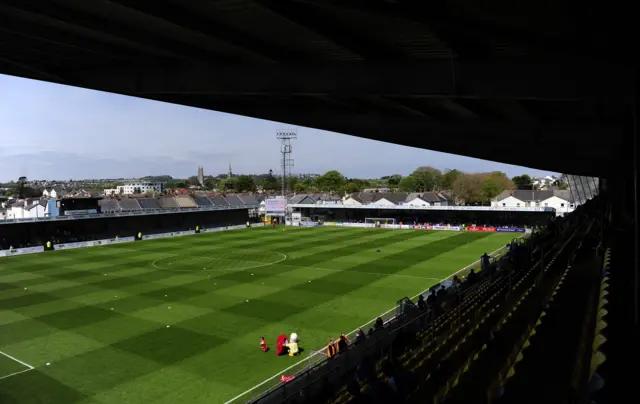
[316, 369]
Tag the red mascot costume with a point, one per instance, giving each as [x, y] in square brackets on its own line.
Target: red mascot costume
[281, 348]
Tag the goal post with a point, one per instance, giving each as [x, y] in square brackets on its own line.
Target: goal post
[382, 222]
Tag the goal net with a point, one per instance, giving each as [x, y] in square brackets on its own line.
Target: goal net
[380, 221]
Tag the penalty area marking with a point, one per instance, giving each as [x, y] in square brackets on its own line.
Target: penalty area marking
[258, 264]
[28, 367]
[307, 359]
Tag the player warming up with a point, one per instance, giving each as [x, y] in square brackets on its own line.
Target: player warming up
[263, 345]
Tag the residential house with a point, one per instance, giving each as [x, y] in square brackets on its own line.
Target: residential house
[423, 199]
[560, 200]
[53, 192]
[389, 199]
[302, 199]
[27, 208]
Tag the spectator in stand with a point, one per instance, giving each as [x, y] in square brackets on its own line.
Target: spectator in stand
[422, 305]
[456, 283]
[360, 336]
[472, 277]
[342, 344]
[331, 349]
[442, 293]
[379, 325]
[431, 300]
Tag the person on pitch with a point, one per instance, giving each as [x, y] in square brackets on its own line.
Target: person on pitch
[293, 345]
[263, 345]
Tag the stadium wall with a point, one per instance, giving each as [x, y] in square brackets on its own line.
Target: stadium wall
[119, 240]
[498, 218]
[33, 234]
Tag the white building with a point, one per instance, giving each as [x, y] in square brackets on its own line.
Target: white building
[560, 200]
[53, 192]
[27, 208]
[140, 187]
[112, 191]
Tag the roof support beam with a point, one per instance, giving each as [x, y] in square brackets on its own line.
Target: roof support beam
[193, 22]
[514, 80]
[315, 18]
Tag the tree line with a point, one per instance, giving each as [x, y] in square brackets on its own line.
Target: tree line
[467, 188]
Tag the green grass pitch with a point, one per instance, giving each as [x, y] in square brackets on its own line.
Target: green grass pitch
[179, 320]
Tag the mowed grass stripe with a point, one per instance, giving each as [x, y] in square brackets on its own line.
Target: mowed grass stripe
[98, 282]
[133, 341]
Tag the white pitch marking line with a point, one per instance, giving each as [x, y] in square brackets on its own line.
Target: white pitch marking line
[363, 325]
[258, 263]
[15, 373]
[17, 360]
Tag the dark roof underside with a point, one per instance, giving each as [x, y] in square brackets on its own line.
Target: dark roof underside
[481, 79]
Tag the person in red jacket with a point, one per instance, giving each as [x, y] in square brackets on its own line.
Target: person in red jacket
[263, 344]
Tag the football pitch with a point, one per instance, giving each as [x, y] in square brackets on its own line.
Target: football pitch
[178, 320]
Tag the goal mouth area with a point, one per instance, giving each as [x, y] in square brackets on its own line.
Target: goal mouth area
[381, 222]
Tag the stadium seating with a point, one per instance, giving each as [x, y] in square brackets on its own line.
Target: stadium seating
[464, 350]
[233, 200]
[185, 202]
[248, 199]
[167, 202]
[220, 201]
[203, 201]
[149, 203]
[109, 205]
[128, 205]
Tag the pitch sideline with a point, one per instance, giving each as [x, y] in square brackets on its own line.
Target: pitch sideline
[307, 359]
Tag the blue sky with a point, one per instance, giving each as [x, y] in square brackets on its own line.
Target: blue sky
[49, 131]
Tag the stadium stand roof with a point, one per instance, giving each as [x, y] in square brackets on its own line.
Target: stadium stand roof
[149, 203]
[541, 84]
[186, 202]
[219, 200]
[233, 200]
[167, 202]
[202, 201]
[129, 204]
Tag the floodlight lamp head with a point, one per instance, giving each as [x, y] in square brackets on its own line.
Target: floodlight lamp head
[287, 134]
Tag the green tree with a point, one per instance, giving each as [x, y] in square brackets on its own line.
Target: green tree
[331, 181]
[408, 184]
[522, 181]
[394, 180]
[270, 182]
[468, 188]
[227, 184]
[210, 183]
[449, 177]
[351, 187]
[22, 185]
[292, 182]
[300, 188]
[245, 183]
[427, 178]
[491, 188]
